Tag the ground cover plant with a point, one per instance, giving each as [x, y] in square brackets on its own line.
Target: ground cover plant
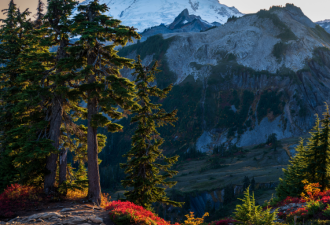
[123, 213]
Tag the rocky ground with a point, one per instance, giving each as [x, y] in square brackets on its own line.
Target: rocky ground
[63, 214]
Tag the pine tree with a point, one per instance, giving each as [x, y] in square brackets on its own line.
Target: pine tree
[291, 184]
[99, 78]
[246, 182]
[249, 213]
[12, 44]
[323, 159]
[313, 152]
[59, 78]
[253, 184]
[143, 165]
[229, 194]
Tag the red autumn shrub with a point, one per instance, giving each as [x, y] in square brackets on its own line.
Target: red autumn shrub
[224, 222]
[17, 197]
[281, 215]
[325, 199]
[123, 213]
[300, 213]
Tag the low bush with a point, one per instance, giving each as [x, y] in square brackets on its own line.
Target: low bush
[223, 222]
[250, 213]
[17, 197]
[123, 213]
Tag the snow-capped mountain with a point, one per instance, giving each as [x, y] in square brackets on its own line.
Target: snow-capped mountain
[143, 14]
[325, 24]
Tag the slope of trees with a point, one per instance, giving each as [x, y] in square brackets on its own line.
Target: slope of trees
[311, 162]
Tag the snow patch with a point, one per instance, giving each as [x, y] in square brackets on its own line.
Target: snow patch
[135, 13]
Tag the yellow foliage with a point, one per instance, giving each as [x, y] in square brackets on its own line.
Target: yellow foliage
[79, 194]
[105, 200]
[311, 190]
[76, 194]
[191, 220]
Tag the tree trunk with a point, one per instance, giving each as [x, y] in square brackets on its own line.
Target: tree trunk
[94, 188]
[55, 125]
[63, 165]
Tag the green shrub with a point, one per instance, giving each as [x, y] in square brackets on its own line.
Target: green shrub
[314, 207]
[286, 34]
[279, 50]
[233, 18]
[249, 213]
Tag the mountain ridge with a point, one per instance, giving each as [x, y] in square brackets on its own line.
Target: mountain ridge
[243, 81]
[143, 14]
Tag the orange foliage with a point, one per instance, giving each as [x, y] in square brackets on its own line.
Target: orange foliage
[311, 191]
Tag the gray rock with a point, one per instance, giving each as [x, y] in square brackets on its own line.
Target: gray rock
[67, 209]
[96, 219]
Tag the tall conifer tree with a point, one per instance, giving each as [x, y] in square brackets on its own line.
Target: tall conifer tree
[313, 153]
[144, 166]
[323, 159]
[100, 80]
[12, 43]
[291, 184]
[58, 14]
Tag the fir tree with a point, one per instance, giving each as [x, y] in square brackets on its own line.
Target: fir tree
[100, 81]
[249, 213]
[313, 153]
[323, 159]
[229, 194]
[59, 78]
[253, 184]
[246, 182]
[143, 165]
[291, 184]
[12, 44]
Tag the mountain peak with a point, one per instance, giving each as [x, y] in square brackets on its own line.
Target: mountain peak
[143, 14]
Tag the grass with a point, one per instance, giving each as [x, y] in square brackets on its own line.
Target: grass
[261, 163]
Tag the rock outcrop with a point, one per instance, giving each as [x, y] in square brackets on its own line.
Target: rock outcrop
[84, 215]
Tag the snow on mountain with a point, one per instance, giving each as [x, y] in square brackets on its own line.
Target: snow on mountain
[325, 24]
[143, 14]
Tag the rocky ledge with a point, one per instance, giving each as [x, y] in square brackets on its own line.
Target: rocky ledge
[84, 215]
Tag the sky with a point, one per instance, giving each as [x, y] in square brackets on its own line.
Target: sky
[316, 10]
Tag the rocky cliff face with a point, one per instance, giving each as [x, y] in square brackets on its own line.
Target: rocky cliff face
[260, 74]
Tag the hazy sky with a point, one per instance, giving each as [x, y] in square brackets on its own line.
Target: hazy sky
[316, 9]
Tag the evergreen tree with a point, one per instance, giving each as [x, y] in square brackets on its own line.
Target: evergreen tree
[12, 44]
[253, 184]
[59, 77]
[313, 153]
[96, 68]
[143, 165]
[246, 182]
[291, 184]
[229, 194]
[249, 213]
[323, 159]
